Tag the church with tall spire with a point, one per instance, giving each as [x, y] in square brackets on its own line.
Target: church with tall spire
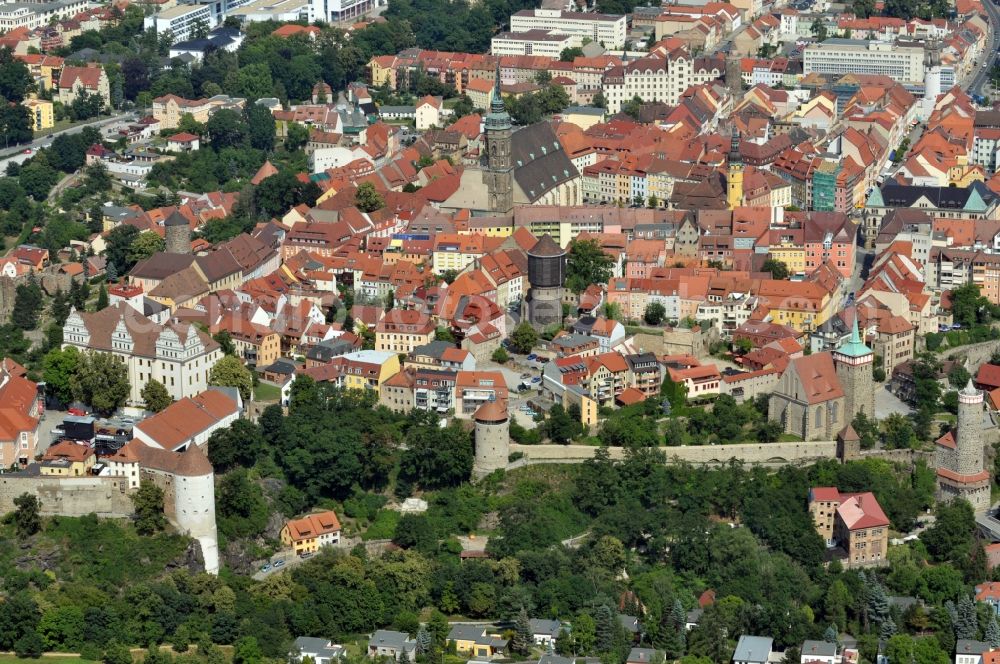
[498, 169]
[524, 167]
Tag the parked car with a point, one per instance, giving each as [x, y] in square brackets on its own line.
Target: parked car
[532, 357]
[279, 563]
[265, 568]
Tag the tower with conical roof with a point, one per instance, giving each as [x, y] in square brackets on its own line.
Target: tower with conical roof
[492, 439]
[959, 458]
[178, 234]
[855, 362]
[546, 278]
[498, 171]
[734, 176]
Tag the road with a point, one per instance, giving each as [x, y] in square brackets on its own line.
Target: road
[17, 156]
[982, 72]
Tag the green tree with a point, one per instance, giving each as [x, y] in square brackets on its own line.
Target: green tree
[27, 520]
[119, 247]
[434, 457]
[560, 426]
[116, 652]
[898, 432]
[27, 305]
[156, 396]
[255, 81]
[367, 198]
[958, 376]
[950, 538]
[15, 79]
[242, 509]
[29, 646]
[260, 127]
[777, 268]
[524, 338]
[240, 444]
[818, 29]
[296, 136]
[230, 372]
[225, 341]
[144, 245]
[16, 127]
[247, 651]
[101, 381]
[655, 313]
[148, 503]
[571, 53]
[225, 129]
[102, 298]
[586, 264]
[968, 306]
[522, 640]
[500, 355]
[58, 368]
[604, 621]
[863, 8]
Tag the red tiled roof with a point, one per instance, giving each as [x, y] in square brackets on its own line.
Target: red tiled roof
[862, 511]
[313, 525]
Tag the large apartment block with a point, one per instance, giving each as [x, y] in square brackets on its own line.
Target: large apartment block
[858, 56]
[606, 29]
[181, 20]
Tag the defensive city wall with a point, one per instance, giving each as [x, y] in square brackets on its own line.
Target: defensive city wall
[764, 454]
[69, 496]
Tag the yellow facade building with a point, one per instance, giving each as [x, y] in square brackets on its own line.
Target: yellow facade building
[42, 116]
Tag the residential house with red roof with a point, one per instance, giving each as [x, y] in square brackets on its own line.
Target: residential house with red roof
[190, 421]
[20, 410]
[852, 522]
[74, 81]
[311, 532]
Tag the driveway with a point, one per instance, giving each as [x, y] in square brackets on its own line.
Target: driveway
[887, 403]
[52, 419]
[287, 559]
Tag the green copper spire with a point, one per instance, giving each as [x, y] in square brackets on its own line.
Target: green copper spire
[497, 118]
[855, 347]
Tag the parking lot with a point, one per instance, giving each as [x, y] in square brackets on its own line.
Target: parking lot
[278, 562]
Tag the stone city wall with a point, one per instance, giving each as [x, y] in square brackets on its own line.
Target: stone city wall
[69, 496]
[778, 454]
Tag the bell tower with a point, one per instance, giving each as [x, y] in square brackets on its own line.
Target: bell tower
[734, 178]
[498, 172]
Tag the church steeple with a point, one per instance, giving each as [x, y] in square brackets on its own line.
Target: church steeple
[498, 117]
[734, 176]
[498, 171]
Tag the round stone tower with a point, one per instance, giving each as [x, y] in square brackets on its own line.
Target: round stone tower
[178, 233]
[546, 277]
[194, 503]
[969, 443]
[492, 439]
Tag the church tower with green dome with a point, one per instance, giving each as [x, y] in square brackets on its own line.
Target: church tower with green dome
[498, 169]
[855, 362]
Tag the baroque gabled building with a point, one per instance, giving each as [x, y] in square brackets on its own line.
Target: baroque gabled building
[178, 355]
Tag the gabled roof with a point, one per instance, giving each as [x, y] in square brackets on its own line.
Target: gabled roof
[818, 377]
